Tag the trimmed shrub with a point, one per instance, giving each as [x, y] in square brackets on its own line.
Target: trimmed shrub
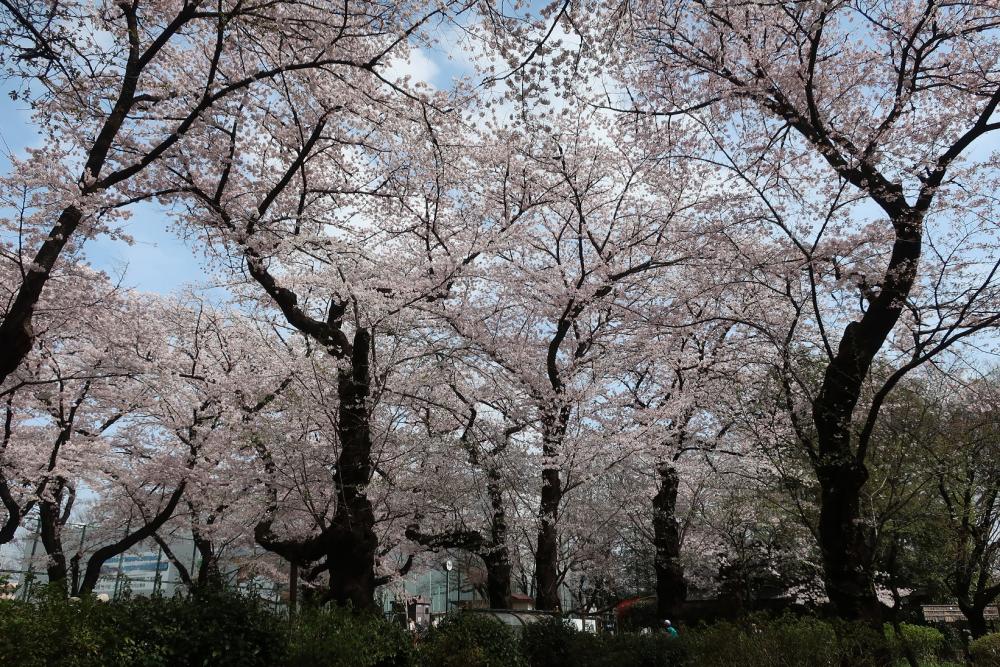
[218, 629]
[985, 651]
[53, 631]
[470, 640]
[785, 641]
[927, 643]
[336, 637]
[862, 645]
[552, 643]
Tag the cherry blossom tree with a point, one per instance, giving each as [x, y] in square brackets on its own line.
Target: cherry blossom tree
[546, 311]
[875, 119]
[118, 88]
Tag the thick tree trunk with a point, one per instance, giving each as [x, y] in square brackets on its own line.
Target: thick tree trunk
[51, 534]
[671, 588]
[846, 543]
[209, 574]
[353, 544]
[349, 544]
[547, 553]
[351, 558]
[498, 580]
[497, 557]
[975, 615]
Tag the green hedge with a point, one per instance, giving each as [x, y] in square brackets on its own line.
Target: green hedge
[470, 640]
[986, 650]
[927, 643]
[335, 637]
[222, 629]
[209, 629]
[552, 643]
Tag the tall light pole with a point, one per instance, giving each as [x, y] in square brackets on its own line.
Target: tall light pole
[448, 565]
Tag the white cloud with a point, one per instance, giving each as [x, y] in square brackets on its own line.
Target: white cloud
[418, 67]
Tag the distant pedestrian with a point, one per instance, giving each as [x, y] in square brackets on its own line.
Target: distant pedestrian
[669, 628]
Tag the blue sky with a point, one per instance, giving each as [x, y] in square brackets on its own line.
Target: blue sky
[158, 261]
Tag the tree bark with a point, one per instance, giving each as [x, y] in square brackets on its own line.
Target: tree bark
[547, 552]
[975, 615]
[352, 551]
[497, 556]
[846, 543]
[349, 544]
[671, 588]
[51, 534]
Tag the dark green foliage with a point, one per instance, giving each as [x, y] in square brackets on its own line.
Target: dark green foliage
[208, 629]
[218, 629]
[336, 637]
[471, 640]
[786, 641]
[553, 643]
[927, 643]
[862, 645]
[985, 651]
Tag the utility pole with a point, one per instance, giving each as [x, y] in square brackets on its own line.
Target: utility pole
[448, 565]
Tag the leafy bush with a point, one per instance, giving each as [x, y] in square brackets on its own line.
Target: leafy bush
[470, 640]
[927, 643]
[985, 651]
[218, 629]
[786, 641]
[862, 645]
[336, 637]
[212, 629]
[551, 642]
[53, 631]
[653, 650]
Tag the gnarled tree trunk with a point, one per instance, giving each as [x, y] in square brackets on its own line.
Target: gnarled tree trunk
[671, 588]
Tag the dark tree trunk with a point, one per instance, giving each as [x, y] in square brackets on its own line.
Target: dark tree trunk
[16, 332]
[547, 553]
[352, 551]
[497, 556]
[209, 574]
[975, 615]
[51, 534]
[351, 558]
[14, 514]
[845, 542]
[498, 580]
[671, 588]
